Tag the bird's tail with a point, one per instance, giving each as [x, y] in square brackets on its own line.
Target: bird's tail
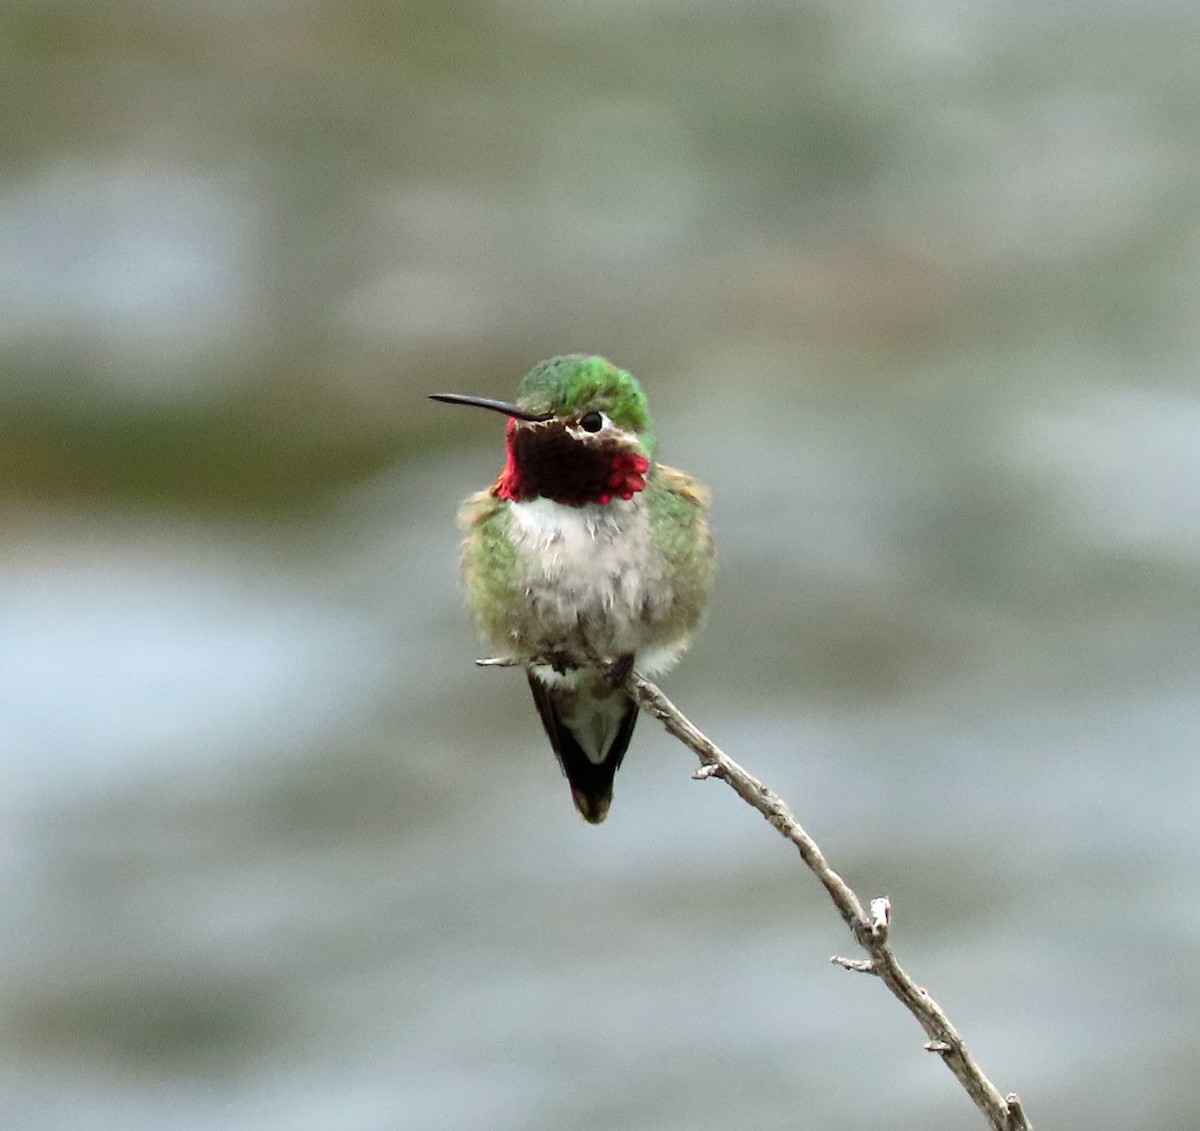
[589, 724]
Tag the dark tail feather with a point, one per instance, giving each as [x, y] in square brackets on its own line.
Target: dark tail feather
[591, 782]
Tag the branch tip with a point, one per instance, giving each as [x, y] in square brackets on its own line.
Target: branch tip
[1017, 1119]
[708, 770]
[938, 1046]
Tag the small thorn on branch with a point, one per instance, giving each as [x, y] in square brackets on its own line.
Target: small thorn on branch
[938, 1046]
[708, 770]
[861, 965]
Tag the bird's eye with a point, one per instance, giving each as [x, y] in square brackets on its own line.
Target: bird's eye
[591, 421]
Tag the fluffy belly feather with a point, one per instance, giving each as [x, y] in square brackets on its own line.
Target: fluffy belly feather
[592, 580]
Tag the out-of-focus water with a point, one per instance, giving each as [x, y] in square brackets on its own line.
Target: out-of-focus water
[912, 288]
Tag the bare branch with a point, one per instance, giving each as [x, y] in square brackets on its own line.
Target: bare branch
[1004, 1113]
[871, 932]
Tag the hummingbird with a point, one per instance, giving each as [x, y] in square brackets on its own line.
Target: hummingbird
[585, 558]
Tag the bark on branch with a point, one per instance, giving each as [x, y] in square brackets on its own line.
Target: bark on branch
[869, 928]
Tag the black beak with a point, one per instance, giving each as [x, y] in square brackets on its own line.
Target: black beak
[495, 406]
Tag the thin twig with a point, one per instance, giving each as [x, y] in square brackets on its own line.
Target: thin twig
[1004, 1113]
[870, 930]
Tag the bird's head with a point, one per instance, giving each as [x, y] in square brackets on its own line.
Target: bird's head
[579, 433]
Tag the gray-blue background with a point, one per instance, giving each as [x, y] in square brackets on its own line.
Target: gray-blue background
[913, 286]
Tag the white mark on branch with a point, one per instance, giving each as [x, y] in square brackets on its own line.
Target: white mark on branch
[881, 918]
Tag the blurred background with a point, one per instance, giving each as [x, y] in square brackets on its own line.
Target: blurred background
[912, 286]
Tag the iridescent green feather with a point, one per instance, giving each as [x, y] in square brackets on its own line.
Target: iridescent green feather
[575, 383]
[677, 505]
[489, 563]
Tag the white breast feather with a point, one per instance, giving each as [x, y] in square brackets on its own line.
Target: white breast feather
[594, 562]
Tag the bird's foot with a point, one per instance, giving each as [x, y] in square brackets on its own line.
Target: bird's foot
[561, 662]
[619, 669]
